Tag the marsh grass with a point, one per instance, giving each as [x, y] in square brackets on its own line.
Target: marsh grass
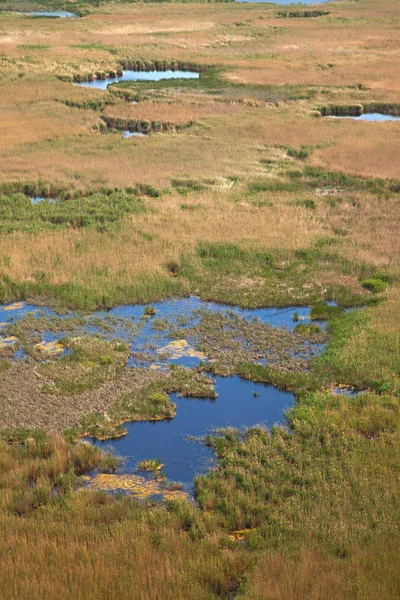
[317, 508]
[89, 364]
[96, 211]
[148, 403]
[168, 250]
[326, 489]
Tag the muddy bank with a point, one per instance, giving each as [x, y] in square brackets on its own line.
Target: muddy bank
[24, 405]
[229, 340]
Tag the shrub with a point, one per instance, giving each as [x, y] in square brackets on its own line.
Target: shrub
[300, 153]
[375, 285]
[308, 203]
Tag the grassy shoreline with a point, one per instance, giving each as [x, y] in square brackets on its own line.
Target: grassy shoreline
[337, 463]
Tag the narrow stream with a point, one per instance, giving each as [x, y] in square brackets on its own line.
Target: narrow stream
[53, 14]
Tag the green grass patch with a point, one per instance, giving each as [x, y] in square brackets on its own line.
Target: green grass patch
[149, 403]
[96, 46]
[97, 211]
[91, 363]
[375, 285]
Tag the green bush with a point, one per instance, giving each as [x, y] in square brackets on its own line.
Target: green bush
[375, 285]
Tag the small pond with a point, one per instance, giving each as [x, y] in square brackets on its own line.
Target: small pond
[129, 134]
[102, 84]
[53, 14]
[240, 404]
[37, 199]
[373, 117]
[346, 391]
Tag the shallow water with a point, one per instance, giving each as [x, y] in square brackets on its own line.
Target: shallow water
[296, 5]
[129, 134]
[37, 199]
[373, 117]
[240, 404]
[346, 391]
[62, 14]
[102, 84]
[129, 323]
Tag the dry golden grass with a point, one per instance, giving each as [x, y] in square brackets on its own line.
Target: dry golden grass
[92, 546]
[316, 575]
[368, 227]
[365, 228]
[180, 110]
[78, 255]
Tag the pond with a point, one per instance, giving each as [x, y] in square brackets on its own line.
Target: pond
[129, 134]
[373, 117]
[102, 84]
[240, 404]
[177, 332]
[54, 14]
[37, 199]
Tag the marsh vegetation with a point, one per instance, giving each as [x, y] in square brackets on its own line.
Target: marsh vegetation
[131, 273]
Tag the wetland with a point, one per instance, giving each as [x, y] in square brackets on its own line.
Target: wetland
[199, 350]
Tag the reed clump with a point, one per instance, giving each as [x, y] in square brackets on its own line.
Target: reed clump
[143, 125]
[302, 14]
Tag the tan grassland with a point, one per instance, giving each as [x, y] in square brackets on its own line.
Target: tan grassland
[351, 46]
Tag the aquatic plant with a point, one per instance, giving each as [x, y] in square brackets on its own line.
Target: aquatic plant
[149, 465]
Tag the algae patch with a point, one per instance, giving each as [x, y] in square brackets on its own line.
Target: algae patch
[180, 349]
[53, 348]
[140, 487]
[8, 341]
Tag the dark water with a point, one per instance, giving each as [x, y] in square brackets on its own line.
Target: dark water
[373, 117]
[102, 84]
[169, 441]
[62, 14]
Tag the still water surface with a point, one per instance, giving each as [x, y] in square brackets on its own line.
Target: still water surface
[240, 404]
[62, 14]
[373, 117]
[102, 84]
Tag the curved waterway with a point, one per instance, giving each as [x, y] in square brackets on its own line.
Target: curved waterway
[177, 443]
[102, 84]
